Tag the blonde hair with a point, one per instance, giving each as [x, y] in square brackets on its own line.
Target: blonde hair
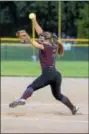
[60, 46]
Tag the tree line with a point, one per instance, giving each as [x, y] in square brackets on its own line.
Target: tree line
[74, 17]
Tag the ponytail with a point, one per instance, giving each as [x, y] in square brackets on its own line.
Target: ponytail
[60, 46]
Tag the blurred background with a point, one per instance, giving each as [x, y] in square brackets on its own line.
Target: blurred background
[68, 19]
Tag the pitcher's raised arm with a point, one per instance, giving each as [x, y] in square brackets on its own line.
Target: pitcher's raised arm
[37, 27]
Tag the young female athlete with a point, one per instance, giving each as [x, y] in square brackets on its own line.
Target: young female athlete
[48, 46]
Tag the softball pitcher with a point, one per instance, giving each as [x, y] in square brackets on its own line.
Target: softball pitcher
[48, 45]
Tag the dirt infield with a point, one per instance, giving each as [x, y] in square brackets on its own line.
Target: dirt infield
[42, 113]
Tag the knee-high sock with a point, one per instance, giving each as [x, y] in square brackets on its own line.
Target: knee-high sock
[28, 92]
[65, 100]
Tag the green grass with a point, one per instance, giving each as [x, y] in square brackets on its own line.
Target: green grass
[28, 68]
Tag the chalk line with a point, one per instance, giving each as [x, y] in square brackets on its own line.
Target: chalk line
[44, 119]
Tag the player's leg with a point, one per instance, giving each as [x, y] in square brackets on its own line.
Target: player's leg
[56, 91]
[40, 82]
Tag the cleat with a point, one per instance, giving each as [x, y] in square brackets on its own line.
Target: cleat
[74, 110]
[17, 103]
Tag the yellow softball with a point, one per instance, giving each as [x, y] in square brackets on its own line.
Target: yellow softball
[32, 16]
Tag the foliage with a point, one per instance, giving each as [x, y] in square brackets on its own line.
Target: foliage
[75, 16]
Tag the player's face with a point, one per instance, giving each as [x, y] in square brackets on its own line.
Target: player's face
[47, 35]
[41, 38]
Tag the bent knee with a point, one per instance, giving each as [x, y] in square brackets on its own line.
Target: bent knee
[59, 97]
[30, 89]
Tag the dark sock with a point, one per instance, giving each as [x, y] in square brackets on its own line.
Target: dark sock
[27, 93]
[67, 102]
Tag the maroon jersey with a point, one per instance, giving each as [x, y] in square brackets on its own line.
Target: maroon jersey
[48, 55]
